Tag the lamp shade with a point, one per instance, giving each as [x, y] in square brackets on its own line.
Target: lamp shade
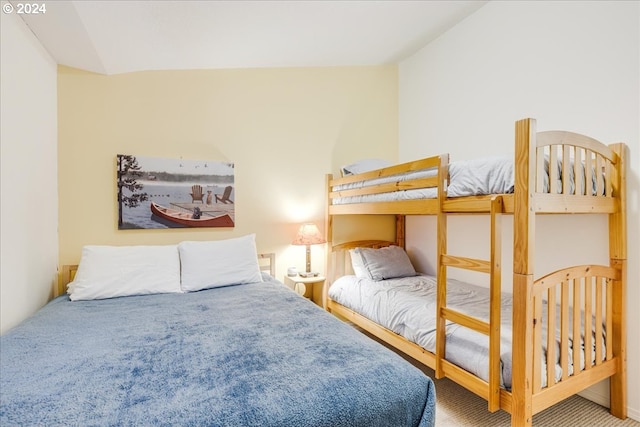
[308, 234]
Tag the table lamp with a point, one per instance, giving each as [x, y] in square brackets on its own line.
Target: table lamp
[308, 235]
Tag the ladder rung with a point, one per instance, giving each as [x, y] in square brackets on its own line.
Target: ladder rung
[467, 263]
[466, 320]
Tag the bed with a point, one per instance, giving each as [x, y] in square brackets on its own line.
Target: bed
[252, 353]
[596, 291]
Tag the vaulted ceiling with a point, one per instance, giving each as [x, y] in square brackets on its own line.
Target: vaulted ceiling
[112, 37]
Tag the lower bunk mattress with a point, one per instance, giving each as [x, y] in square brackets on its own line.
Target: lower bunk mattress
[247, 355]
[407, 306]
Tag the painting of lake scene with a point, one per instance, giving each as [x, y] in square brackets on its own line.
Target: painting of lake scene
[174, 193]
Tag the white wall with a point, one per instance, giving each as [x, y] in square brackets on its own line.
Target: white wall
[571, 65]
[29, 182]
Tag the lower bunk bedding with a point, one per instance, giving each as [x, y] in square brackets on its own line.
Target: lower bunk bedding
[407, 306]
[255, 354]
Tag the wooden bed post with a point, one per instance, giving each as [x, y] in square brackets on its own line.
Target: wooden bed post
[401, 231]
[618, 255]
[328, 236]
[524, 244]
[441, 250]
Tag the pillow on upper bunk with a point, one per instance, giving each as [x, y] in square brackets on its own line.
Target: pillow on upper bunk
[219, 263]
[484, 175]
[116, 271]
[378, 264]
[573, 185]
[364, 165]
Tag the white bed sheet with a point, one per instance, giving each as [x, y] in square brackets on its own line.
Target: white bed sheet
[407, 306]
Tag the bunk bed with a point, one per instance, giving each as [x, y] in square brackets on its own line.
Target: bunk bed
[551, 172]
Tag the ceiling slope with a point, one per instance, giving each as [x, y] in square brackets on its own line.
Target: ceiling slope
[112, 37]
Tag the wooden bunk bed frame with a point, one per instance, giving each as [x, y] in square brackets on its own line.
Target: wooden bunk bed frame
[599, 291]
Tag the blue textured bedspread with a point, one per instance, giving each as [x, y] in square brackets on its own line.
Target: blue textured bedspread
[246, 355]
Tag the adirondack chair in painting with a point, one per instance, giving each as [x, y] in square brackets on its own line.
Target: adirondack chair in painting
[196, 193]
[224, 198]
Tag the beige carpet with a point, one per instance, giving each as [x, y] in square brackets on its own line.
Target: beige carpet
[456, 406]
[459, 407]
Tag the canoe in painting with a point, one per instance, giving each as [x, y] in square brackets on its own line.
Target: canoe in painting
[186, 219]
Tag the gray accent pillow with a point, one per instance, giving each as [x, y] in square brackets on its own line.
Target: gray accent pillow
[379, 264]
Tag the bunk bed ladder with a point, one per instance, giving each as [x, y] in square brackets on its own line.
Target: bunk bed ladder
[491, 390]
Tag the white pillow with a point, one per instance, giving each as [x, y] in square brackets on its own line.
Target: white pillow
[358, 265]
[116, 271]
[384, 263]
[219, 263]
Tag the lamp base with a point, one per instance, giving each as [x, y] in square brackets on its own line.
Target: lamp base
[307, 274]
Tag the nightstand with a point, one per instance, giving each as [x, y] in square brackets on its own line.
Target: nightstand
[308, 287]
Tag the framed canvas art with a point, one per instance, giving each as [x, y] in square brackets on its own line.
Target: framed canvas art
[174, 193]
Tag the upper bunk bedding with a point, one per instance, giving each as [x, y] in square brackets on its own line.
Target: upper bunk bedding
[255, 354]
[477, 177]
[407, 306]
[490, 175]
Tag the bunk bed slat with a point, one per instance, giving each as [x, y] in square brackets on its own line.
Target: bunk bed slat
[577, 171]
[478, 265]
[588, 324]
[566, 166]
[465, 320]
[537, 344]
[608, 184]
[564, 331]
[551, 336]
[598, 320]
[600, 169]
[553, 169]
[575, 312]
[609, 324]
[588, 172]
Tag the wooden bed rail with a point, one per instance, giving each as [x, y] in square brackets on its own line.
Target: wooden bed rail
[416, 165]
[437, 183]
[67, 274]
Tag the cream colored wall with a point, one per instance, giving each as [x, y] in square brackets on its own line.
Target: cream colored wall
[570, 65]
[29, 190]
[283, 128]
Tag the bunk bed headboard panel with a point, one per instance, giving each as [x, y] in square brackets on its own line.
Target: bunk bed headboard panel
[584, 296]
[589, 164]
